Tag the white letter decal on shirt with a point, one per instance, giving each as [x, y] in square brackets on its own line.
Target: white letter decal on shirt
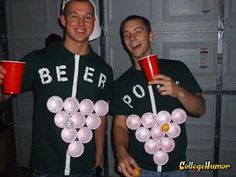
[102, 80]
[127, 100]
[141, 90]
[44, 75]
[60, 73]
[87, 73]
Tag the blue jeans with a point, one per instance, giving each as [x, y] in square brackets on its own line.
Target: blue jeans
[37, 173]
[177, 173]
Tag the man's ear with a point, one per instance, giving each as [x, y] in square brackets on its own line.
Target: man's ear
[151, 35]
[62, 20]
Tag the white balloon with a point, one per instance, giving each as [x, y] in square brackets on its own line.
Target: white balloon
[86, 106]
[68, 135]
[161, 158]
[174, 130]
[55, 104]
[167, 144]
[85, 135]
[148, 120]
[78, 119]
[61, 118]
[157, 133]
[179, 116]
[93, 121]
[163, 117]
[75, 149]
[142, 134]
[71, 105]
[101, 107]
[133, 121]
[151, 146]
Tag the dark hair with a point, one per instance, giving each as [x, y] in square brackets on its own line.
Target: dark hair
[52, 39]
[66, 5]
[134, 17]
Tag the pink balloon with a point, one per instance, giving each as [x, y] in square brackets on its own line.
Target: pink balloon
[68, 135]
[167, 144]
[142, 134]
[71, 105]
[61, 118]
[101, 107]
[157, 133]
[78, 119]
[75, 149]
[151, 146]
[174, 130]
[161, 158]
[93, 121]
[84, 135]
[133, 121]
[86, 106]
[55, 104]
[148, 120]
[163, 117]
[70, 124]
[179, 116]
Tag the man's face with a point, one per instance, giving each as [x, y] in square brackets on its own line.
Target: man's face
[137, 38]
[78, 21]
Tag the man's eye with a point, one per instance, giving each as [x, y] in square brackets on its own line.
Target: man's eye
[126, 36]
[138, 31]
[88, 18]
[73, 16]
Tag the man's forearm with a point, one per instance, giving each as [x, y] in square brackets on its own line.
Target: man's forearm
[3, 97]
[193, 103]
[120, 137]
[100, 138]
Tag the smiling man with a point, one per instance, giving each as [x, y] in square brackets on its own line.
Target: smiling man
[132, 95]
[67, 69]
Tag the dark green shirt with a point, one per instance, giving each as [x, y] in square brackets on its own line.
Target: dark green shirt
[131, 96]
[50, 72]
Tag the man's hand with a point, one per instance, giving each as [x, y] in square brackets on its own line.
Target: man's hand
[2, 72]
[166, 86]
[126, 165]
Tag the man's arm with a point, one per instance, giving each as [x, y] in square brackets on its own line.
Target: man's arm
[193, 103]
[99, 141]
[120, 138]
[2, 96]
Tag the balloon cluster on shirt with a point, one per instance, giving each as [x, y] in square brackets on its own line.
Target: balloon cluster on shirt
[157, 132]
[77, 120]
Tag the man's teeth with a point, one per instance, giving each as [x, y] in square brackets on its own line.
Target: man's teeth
[80, 30]
[134, 45]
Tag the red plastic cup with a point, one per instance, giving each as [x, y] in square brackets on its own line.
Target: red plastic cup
[150, 66]
[13, 76]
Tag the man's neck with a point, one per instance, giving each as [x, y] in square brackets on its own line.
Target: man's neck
[77, 48]
[137, 66]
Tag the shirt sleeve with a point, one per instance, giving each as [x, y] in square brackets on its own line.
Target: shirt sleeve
[189, 82]
[28, 77]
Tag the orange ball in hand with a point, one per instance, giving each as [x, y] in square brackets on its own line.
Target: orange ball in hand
[136, 172]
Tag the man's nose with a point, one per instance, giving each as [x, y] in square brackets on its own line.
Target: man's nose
[132, 36]
[81, 21]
